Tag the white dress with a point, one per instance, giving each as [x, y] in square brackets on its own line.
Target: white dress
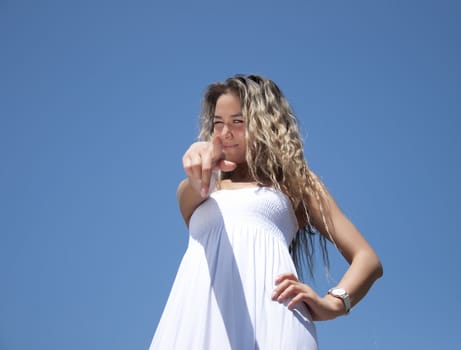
[221, 297]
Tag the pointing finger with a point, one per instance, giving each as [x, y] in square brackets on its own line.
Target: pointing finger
[217, 149]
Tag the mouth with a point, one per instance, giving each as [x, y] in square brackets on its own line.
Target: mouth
[229, 147]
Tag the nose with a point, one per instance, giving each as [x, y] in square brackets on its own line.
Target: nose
[226, 131]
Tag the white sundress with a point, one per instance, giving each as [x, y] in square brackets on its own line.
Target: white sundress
[221, 296]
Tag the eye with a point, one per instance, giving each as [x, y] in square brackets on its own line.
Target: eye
[217, 124]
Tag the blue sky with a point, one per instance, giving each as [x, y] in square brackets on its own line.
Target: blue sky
[99, 100]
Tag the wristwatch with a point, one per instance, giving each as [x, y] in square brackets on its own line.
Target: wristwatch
[341, 294]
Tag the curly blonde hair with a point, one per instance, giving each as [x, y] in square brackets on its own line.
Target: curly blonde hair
[274, 153]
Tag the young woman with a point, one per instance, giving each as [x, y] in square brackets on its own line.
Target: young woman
[252, 206]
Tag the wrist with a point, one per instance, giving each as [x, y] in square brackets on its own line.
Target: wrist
[341, 295]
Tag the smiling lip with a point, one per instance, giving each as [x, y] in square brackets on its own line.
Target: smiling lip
[229, 146]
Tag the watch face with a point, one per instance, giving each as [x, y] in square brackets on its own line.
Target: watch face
[338, 292]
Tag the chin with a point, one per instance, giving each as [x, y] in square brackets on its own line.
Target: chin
[234, 159]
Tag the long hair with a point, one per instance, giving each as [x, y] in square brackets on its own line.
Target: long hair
[274, 153]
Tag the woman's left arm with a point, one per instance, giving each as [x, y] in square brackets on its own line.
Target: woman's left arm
[365, 267]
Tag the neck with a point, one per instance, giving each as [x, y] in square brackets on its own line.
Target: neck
[240, 174]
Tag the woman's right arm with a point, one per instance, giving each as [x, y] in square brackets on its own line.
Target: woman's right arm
[188, 199]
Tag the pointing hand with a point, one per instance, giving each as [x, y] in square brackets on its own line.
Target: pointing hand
[201, 159]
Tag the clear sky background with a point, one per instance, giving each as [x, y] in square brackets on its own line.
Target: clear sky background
[99, 100]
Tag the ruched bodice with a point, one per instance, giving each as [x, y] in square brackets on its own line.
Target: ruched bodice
[262, 209]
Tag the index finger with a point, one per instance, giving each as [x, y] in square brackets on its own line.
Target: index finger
[284, 276]
[217, 149]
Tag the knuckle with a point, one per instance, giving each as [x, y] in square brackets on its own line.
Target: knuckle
[187, 169]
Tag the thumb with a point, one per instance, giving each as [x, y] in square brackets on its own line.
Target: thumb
[226, 165]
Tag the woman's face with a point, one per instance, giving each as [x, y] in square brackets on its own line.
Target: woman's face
[229, 126]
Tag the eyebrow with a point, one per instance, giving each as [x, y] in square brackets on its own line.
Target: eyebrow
[232, 115]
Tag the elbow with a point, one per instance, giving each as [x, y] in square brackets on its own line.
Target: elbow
[372, 264]
[375, 265]
[378, 270]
